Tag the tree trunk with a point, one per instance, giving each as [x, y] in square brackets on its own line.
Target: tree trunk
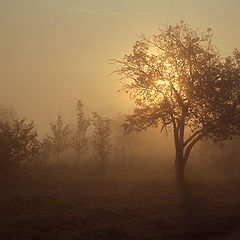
[102, 164]
[179, 170]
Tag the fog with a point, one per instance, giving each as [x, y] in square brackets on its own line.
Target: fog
[85, 156]
[55, 53]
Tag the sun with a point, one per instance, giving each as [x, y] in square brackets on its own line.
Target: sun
[162, 82]
[170, 77]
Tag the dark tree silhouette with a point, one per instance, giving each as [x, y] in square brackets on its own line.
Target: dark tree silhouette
[101, 137]
[18, 144]
[80, 140]
[178, 79]
[59, 140]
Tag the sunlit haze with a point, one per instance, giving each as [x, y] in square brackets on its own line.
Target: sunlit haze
[54, 52]
[119, 119]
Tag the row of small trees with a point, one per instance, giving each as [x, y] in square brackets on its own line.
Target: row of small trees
[20, 145]
[62, 139]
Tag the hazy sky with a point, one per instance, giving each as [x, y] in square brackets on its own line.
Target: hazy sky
[54, 52]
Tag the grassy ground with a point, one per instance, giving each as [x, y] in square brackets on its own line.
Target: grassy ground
[132, 204]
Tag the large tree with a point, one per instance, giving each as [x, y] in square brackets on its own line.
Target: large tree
[178, 79]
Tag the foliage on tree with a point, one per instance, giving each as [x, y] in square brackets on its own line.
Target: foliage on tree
[59, 141]
[80, 140]
[18, 144]
[178, 79]
[101, 137]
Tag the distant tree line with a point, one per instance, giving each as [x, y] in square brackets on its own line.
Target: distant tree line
[94, 137]
[20, 144]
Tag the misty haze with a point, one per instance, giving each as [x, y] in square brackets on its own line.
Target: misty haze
[119, 120]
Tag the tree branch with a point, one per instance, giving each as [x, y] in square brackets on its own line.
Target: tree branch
[192, 137]
[190, 146]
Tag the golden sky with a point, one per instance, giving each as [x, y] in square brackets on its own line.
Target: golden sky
[54, 52]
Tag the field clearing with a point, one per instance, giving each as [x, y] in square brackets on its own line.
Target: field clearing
[126, 204]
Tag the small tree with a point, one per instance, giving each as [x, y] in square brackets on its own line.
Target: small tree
[101, 137]
[59, 141]
[177, 78]
[80, 140]
[18, 144]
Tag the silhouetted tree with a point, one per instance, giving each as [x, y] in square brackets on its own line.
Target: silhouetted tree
[80, 140]
[59, 141]
[177, 78]
[18, 144]
[101, 137]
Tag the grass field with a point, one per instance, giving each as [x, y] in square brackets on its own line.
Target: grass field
[126, 204]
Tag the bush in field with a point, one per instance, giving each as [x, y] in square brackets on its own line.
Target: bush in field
[18, 144]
